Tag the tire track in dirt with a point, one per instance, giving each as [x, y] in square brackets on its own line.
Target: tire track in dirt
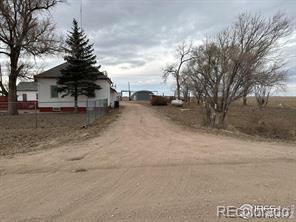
[145, 168]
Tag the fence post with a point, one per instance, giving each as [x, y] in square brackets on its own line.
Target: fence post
[96, 110]
[86, 113]
[36, 117]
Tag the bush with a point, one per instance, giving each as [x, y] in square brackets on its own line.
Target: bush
[158, 100]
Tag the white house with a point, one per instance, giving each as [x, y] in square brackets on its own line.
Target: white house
[50, 100]
[27, 91]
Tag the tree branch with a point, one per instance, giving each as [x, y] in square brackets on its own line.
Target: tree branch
[5, 53]
[3, 91]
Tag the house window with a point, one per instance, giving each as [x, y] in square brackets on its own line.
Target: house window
[91, 93]
[54, 92]
[25, 97]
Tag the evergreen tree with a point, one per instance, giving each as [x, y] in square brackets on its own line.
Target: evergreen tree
[80, 75]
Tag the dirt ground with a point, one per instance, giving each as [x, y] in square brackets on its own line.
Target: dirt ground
[144, 167]
[19, 134]
[276, 122]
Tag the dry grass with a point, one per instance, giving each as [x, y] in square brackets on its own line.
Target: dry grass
[277, 121]
[18, 133]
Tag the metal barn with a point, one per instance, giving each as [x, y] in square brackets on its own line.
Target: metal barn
[143, 95]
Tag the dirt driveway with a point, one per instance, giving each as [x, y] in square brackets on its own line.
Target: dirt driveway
[144, 168]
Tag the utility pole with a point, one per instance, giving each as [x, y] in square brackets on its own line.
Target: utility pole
[129, 91]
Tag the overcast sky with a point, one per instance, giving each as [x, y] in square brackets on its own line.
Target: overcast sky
[134, 39]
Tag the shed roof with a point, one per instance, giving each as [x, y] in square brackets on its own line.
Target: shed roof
[27, 86]
[143, 92]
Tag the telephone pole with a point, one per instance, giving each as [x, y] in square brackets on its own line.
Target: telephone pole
[129, 91]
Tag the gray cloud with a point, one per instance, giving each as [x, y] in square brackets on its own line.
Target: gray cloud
[134, 34]
[123, 29]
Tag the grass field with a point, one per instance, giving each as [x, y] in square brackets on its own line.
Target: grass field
[276, 121]
[19, 133]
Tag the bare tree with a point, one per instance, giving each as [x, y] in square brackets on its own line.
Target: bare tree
[209, 75]
[184, 55]
[188, 87]
[197, 93]
[259, 35]
[268, 81]
[3, 90]
[231, 60]
[195, 87]
[24, 30]
[185, 84]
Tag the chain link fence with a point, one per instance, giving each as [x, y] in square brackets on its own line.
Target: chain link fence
[95, 109]
[33, 114]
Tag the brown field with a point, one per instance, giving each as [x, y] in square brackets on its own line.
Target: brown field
[19, 133]
[276, 121]
[42, 120]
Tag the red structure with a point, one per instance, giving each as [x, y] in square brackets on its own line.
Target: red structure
[61, 109]
[3, 103]
[3, 98]
[28, 105]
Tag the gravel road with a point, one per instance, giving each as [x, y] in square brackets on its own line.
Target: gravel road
[145, 168]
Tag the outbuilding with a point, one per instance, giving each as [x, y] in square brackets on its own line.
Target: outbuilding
[27, 91]
[143, 95]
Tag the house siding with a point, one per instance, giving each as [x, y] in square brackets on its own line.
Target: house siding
[31, 95]
[46, 102]
[114, 96]
[104, 93]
